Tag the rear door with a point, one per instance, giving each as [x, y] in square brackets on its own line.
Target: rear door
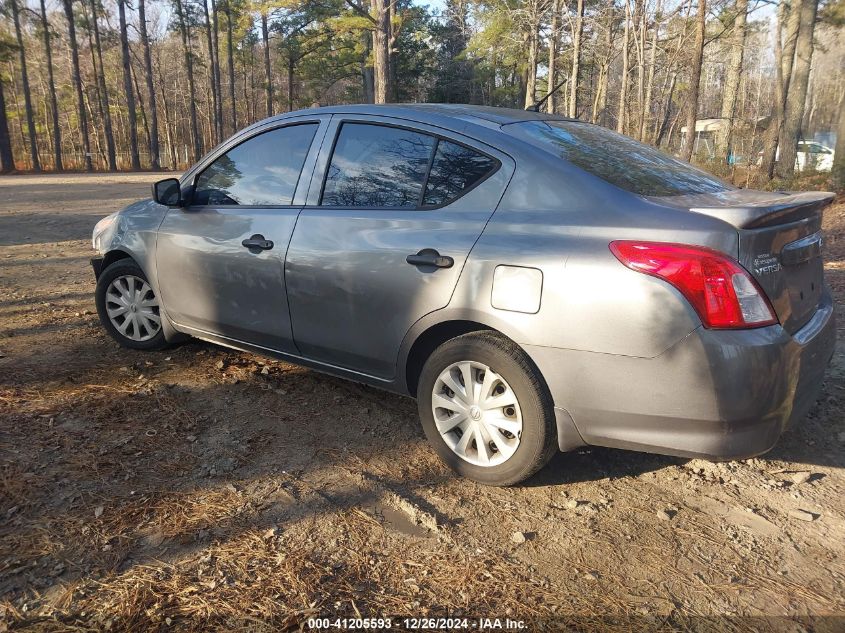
[220, 260]
[393, 212]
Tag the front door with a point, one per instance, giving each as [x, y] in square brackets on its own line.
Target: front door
[395, 212]
[220, 260]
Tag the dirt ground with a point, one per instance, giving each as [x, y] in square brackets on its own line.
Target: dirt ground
[200, 487]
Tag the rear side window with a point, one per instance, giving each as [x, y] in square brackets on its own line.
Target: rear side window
[261, 171]
[617, 159]
[377, 166]
[455, 169]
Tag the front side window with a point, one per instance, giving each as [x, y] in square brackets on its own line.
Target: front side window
[261, 171]
[617, 159]
[455, 169]
[377, 166]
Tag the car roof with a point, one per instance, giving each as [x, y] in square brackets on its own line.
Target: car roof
[464, 112]
[480, 122]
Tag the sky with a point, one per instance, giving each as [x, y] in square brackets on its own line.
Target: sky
[434, 5]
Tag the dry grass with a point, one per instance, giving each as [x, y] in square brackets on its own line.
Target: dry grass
[266, 582]
[118, 510]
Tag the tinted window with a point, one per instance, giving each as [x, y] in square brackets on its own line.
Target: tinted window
[263, 170]
[618, 159]
[377, 166]
[455, 168]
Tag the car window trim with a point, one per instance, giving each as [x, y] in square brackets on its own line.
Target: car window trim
[431, 157]
[228, 148]
[410, 128]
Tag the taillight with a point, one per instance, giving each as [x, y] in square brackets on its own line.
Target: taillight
[722, 292]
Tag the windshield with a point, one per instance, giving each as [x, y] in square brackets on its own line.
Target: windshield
[617, 159]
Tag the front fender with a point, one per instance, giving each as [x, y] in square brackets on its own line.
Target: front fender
[134, 234]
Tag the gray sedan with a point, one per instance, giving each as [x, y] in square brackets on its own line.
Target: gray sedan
[537, 283]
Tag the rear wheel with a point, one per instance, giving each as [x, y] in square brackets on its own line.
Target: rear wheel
[485, 410]
[128, 307]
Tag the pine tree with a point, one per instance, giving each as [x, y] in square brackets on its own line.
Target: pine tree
[77, 83]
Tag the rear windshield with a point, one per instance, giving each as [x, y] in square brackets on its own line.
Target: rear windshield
[617, 159]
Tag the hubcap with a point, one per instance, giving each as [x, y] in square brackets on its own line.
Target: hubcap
[476, 413]
[132, 308]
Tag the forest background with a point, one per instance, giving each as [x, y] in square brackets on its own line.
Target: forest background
[154, 84]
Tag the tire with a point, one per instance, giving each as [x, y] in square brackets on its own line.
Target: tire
[510, 457]
[124, 291]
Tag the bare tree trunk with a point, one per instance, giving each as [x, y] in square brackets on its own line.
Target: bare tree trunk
[623, 91]
[600, 101]
[554, 43]
[98, 91]
[98, 150]
[797, 96]
[838, 172]
[367, 76]
[155, 157]
[213, 74]
[189, 66]
[77, 82]
[671, 131]
[16, 108]
[533, 49]
[695, 79]
[100, 78]
[646, 109]
[640, 31]
[291, 68]
[169, 139]
[575, 75]
[231, 61]
[141, 107]
[732, 80]
[215, 67]
[248, 84]
[664, 121]
[54, 107]
[7, 160]
[27, 99]
[393, 53]
[268, 72]
[381, 46]
[127, 87]
[784, 57]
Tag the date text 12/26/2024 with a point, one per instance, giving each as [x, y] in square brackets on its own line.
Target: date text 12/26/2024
[413, 624]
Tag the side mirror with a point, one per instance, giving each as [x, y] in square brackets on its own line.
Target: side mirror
[168, 192]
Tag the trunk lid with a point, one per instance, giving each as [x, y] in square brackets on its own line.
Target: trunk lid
[780, 243]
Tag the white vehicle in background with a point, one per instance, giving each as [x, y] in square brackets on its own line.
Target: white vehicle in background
[811, 156]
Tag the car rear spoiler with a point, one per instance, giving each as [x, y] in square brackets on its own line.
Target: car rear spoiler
[747, 209]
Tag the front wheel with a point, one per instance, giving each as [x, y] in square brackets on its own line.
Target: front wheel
[128, 307]
[485, 409]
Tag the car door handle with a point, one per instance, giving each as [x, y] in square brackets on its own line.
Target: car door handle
[430, 257]
[257, 242]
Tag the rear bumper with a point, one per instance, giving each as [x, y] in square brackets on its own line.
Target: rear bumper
[716, 394]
